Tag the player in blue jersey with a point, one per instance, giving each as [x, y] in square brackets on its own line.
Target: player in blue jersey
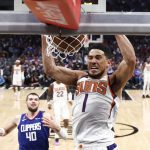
[33, 126]
[97, 93]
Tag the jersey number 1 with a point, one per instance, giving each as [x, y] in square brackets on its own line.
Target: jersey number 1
[84, 102]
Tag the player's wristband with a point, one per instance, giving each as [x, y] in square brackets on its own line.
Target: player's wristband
[2, 132]
[62, 133]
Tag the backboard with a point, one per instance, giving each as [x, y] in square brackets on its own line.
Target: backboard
[13, 22]
[20, 6]
[86, 5]
[91, 39]
[93, 5]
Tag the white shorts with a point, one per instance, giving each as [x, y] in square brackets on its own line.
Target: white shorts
[146, 77]
[61, 111]
[17, 80]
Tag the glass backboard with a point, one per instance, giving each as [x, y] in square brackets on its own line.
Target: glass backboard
[19, 5]
[93, 39]
[93, 5]
[86, 5]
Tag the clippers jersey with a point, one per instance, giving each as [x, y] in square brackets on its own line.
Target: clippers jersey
[59, 92]
[32, 135]
[94, 112]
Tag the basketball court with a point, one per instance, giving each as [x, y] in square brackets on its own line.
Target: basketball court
[132, 127]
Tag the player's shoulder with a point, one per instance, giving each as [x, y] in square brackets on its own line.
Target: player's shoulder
[52, 84]
[18, 116]
[17, 119]
[82, 74]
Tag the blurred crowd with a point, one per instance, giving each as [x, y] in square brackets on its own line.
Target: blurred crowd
[27, 48]
[128, 5]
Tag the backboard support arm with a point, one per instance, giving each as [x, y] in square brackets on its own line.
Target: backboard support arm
[108, 23]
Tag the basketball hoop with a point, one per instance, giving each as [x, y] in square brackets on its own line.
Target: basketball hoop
[62, 47]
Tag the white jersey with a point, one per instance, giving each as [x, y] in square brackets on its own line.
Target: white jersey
[59, 92]
[60, 102]
[94, 112]
[17, 75]
[147, 68]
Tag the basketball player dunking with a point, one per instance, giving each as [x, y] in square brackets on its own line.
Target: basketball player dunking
[95, 104]
[33, 126]
[60, 106]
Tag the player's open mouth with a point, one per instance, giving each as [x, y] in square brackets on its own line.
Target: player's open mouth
[94, 68]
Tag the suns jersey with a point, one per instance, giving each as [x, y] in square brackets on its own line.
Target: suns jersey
[147, 68]
[17, 75]
[32, 135]
[17, 69]
[94, 111]
[59, 92]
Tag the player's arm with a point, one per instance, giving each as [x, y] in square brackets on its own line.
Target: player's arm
[50, 92]
[126, 67]
[69, 95]
[143, 66]
[49, 122]
[70, 98]
[59, 73]
[50, 96]
[9, 127]
[13, 69]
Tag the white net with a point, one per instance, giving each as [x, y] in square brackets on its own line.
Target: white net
[64, 46]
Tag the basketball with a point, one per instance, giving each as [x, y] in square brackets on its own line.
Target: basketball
[68, 44]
